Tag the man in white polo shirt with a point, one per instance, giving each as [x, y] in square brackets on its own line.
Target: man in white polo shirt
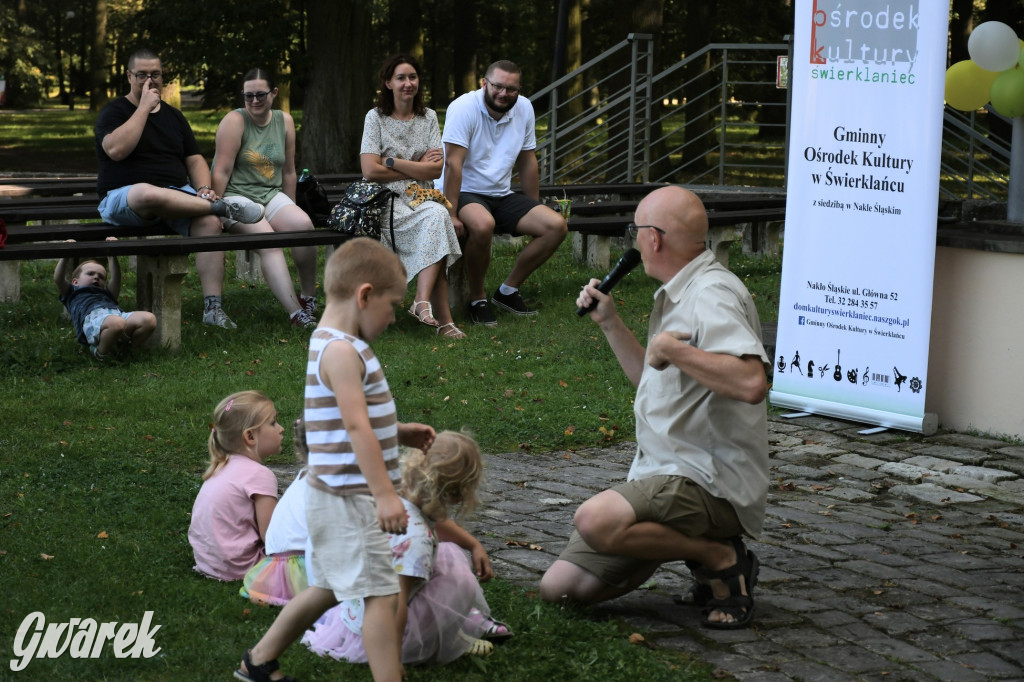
[487, 134]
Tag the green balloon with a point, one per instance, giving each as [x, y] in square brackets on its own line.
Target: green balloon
[968, 85]
[1007, 93]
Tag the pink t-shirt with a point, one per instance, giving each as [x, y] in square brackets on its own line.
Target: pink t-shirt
[224, 536]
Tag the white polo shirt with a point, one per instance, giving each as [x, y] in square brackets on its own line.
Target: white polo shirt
[492, 147]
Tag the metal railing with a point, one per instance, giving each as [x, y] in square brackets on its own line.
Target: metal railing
[713, 118]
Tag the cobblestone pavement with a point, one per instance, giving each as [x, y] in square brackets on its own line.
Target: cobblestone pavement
[884, 556]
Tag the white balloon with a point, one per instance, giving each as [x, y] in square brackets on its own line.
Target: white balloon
[993, 46]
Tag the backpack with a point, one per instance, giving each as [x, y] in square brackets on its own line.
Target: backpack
[360, 213]
[311, 197]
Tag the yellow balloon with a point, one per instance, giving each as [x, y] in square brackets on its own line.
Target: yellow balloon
[1008, 93]
[968, 85]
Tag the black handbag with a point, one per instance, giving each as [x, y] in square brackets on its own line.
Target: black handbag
[360, 212]
[311, 197]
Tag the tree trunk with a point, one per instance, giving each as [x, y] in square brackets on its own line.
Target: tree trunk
[465, 39]
[98, 57]
[960, 24]
[641, 16]
[341, 89]
[700, 17]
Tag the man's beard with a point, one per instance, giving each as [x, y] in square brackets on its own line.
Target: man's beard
[494, 106]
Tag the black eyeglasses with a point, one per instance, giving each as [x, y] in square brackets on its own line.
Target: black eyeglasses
[143, 75]
[258, 96]
[633, 228]
[510, 89]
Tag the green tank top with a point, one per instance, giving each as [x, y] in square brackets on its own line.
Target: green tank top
[257, 171]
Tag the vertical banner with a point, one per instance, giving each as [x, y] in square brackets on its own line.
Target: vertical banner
[861, 206]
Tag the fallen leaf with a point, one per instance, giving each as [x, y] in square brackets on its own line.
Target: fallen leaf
[45, 557]
[567, 456]
[528, 375]
[562, 383]
[149, 437]
[569, 430]
[67, 423]
[636, 638]
[509, 393]
[102, 535]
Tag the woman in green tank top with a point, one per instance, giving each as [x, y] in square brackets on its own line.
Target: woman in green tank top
[255, 158]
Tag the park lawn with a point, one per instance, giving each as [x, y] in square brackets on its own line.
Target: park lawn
[100, 464]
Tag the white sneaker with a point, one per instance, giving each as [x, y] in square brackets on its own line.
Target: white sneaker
[218, 318]
[243, 210]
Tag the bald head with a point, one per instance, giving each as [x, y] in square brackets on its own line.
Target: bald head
[676, 210]
[683, 222]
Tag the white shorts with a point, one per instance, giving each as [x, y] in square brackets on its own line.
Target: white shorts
[279, 201]
[93, 322]
[351, 555]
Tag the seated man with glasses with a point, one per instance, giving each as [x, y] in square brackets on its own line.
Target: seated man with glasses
[699, 479]
[151, 172]
[487, 134]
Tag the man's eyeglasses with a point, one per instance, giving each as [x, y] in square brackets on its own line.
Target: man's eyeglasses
[143, 75]
[512, 90]
[633, 228]
[258, 96]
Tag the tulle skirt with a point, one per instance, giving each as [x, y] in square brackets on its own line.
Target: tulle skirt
[275, 579]
[445, 616]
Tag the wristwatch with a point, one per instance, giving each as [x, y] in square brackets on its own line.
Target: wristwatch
[389, 162]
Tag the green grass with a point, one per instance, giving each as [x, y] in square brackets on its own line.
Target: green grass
[116, 450]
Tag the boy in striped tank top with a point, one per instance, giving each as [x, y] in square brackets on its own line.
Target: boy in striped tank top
[353, 434]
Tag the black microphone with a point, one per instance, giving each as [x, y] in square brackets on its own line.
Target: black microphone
[629, 260]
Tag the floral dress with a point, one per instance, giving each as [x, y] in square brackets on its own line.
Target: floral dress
[425, 234]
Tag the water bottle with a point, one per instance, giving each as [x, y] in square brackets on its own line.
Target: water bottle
[305, 175]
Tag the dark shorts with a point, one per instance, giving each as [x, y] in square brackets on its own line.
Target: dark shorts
[674, 501]
[507, 210]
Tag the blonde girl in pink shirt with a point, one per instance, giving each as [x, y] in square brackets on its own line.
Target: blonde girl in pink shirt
[233, 508]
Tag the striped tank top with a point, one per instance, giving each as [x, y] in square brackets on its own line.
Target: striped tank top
[332, 462]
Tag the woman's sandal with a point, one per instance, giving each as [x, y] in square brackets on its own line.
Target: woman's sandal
[450, 331]
[424, 315]
[259, 673]
[738, 605]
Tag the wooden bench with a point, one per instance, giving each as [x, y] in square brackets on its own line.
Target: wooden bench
[163, 260]
[731, 216]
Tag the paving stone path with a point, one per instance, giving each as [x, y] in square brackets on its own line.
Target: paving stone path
[884, 556]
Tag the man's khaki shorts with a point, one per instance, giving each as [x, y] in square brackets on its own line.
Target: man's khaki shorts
[674, 501]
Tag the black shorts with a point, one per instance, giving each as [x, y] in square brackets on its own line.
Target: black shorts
[507, 210]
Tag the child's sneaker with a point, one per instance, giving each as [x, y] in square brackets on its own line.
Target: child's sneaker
[96, 353]
[218, 318]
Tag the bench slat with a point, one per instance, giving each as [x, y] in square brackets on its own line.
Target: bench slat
[169, 246]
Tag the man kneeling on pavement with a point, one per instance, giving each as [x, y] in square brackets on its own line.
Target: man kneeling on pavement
[699, 480]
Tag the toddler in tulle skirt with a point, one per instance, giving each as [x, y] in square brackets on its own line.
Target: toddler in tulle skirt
[441, 603]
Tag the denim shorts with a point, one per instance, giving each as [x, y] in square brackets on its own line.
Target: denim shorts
[93, 322]
[114, 209]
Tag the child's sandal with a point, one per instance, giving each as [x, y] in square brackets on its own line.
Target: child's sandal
[496, 631]
[259, 673]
